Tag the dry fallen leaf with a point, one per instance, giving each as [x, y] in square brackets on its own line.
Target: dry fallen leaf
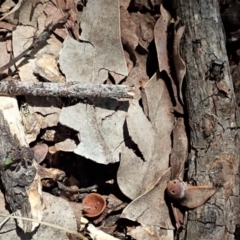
[179, 151]
[128, 30]
[100, 51]
[189, 196]
[40, 152]
[160, 37]
[151, 233]
[152, 138]
[101, 128]
[145, 25]
[179, 64]
[150, 208]
[158, 106]
[137, 73]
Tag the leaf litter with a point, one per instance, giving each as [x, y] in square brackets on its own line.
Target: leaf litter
[132, 150]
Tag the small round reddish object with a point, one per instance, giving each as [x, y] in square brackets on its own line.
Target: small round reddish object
[93, 205]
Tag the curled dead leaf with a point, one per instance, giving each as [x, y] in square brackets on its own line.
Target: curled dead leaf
[179, 64]
[189, 196]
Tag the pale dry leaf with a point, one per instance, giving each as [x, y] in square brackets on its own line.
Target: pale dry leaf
[47, 68]
[32, 16]
[5, 56]
[66, 146]
[131, 166]
[100, 50]
[7, 5]
[51, 173]
[141, 131]
[97, 234]
[101, 128]
[179, 64]
[16, 7]
[22, 38]
[158, 106]
[179, 151]
[151, 233]
[150, 209]
[31, 25]
[154, 149]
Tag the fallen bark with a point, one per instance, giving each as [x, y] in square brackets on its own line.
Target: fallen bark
[16, 88]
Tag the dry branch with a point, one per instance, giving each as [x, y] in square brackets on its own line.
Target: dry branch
[14, 88]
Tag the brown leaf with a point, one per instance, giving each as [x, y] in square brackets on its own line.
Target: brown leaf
[189, 196]
[137, 73]
[144, 28]
[6, 25]
[128, 30]
[160, 34]
[40, 152]
[178, 215]
[179, 64]
[160, 37]
[124, 3]
[179, 151]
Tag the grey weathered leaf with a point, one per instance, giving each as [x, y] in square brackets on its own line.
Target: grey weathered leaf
[100, 50]
[100, 127]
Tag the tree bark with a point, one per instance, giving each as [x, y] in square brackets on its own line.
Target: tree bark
[213, 121]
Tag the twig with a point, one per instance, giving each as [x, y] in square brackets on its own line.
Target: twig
[16, 88]
[5, 220]
[80, 190]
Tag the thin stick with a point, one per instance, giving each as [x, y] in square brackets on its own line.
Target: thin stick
[46, 224]
[81, 190]
[16, 88]
[5, 220]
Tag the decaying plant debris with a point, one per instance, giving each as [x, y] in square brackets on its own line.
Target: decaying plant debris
[92, 101]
